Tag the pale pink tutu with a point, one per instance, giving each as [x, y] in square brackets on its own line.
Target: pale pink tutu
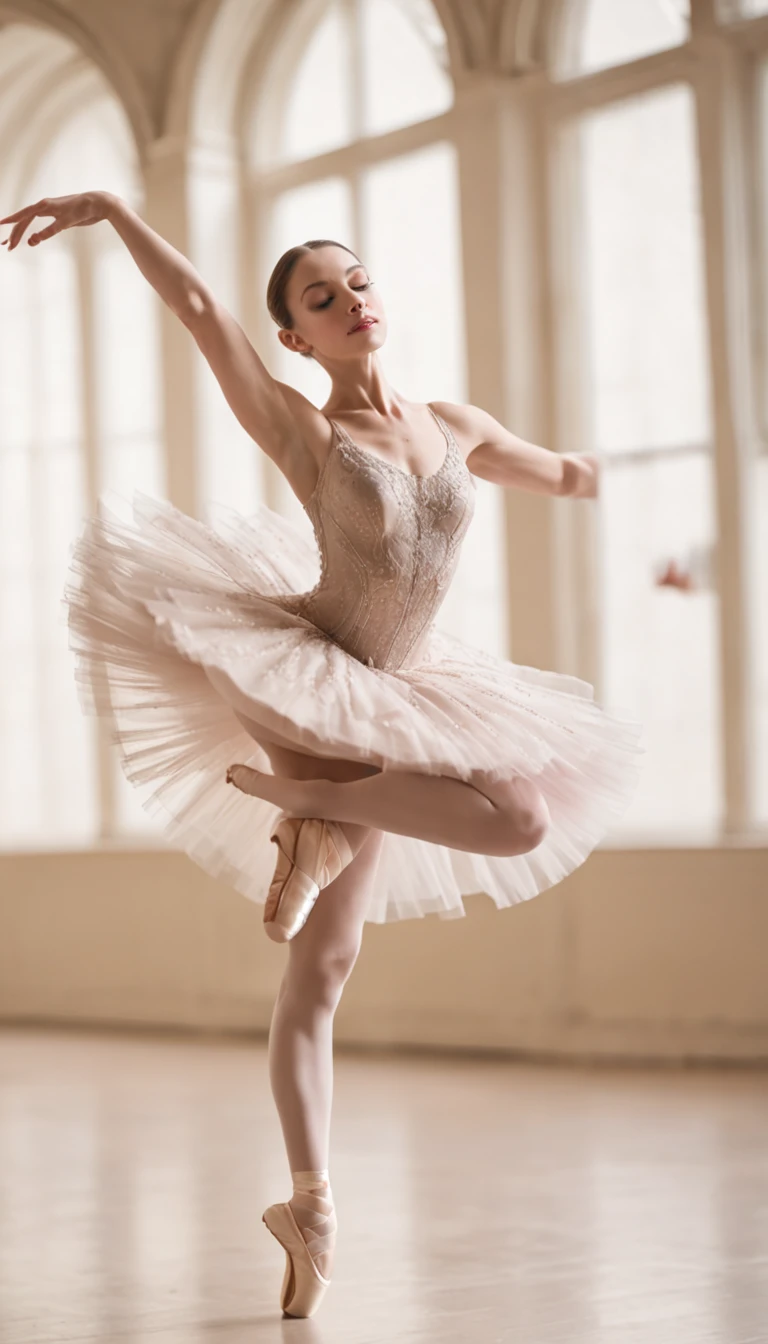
[153, 604]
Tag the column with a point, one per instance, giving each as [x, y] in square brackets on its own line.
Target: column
[502, 182]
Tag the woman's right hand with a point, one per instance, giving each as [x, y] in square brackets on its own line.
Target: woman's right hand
[87, 207]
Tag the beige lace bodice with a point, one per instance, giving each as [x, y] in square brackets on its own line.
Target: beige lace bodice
[389, 544]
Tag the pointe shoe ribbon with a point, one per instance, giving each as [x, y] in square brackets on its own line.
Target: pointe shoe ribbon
[303, 1285]
[310, 854]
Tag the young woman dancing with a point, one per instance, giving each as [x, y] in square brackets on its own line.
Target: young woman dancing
[394, 767]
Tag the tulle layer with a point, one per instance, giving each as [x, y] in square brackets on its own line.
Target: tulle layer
[178, 626]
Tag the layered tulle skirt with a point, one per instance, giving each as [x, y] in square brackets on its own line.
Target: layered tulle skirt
[178, 627]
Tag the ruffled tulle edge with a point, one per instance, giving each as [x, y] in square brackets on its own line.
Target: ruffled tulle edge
[444, 715]
[227, 833]
[174, 731]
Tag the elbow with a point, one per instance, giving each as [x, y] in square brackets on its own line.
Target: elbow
[198, 305]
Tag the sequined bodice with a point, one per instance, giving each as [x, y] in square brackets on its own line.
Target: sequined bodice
[389, 544]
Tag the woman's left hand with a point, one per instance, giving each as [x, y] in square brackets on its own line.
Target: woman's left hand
[86, 207]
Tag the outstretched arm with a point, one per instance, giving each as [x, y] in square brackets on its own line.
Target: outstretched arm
[505, 459]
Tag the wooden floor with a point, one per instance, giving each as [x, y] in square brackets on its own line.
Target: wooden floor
[480, 1201]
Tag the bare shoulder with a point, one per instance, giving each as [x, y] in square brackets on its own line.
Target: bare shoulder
[471, 426]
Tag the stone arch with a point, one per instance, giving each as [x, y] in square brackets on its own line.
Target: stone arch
[115, 71]
[45, 81]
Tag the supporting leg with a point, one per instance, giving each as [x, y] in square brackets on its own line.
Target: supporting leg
[320, 961]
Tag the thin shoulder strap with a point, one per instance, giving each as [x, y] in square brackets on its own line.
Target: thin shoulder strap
[338, 429]
[446, 428]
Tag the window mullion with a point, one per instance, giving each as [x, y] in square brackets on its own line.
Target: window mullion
[719, 109]
[256, 261]
[757, 107]
[576, 530]
[40, 669]
[354, 19]
[84, 247]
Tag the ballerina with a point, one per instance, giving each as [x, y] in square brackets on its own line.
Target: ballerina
[407, 768]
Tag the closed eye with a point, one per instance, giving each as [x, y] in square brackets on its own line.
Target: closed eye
[330, 297]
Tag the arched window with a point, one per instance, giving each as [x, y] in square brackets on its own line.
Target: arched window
[351, 139]
[647, 377]
[335, 98]
[639, 266]
[601, 33]
[79, 416]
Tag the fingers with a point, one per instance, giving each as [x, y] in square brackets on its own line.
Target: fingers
[30, 210]
[46, 233]
[17, 232]
[14, 235]
[21, 219]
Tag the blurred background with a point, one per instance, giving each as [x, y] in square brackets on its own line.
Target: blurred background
[563, 205]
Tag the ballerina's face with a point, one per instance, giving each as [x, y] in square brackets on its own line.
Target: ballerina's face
[328, 294]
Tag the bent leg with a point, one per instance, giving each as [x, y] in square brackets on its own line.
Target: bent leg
[502, 817]
[506, 817]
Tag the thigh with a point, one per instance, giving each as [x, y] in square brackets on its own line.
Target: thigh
[287, 761]
[284, 758]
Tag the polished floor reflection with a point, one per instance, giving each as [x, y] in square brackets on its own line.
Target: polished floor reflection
[478, 1200]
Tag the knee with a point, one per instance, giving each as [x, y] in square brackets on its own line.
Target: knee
[536, 826]
[322, 982]
[332, 973]
[526, 825]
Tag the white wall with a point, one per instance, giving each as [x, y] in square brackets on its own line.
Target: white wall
[646, 954]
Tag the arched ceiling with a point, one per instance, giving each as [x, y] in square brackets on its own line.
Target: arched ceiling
[186, 81]
[78, 25]
[226, 37]
[44, 80]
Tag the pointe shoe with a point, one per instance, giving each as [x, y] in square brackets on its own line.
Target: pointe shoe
[303, 1287]
[311, 853]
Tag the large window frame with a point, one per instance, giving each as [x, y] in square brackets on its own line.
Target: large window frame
[719, 64]
[57, 85]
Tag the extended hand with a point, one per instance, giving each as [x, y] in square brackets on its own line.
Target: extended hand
[86, 207]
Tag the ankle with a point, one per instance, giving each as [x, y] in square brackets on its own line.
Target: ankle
[312, 1204]
[312, 1183]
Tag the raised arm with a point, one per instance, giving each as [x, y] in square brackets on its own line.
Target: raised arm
[275, 415]
[281, 421]
[497, 455]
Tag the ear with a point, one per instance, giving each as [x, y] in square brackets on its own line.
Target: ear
[293, 342]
